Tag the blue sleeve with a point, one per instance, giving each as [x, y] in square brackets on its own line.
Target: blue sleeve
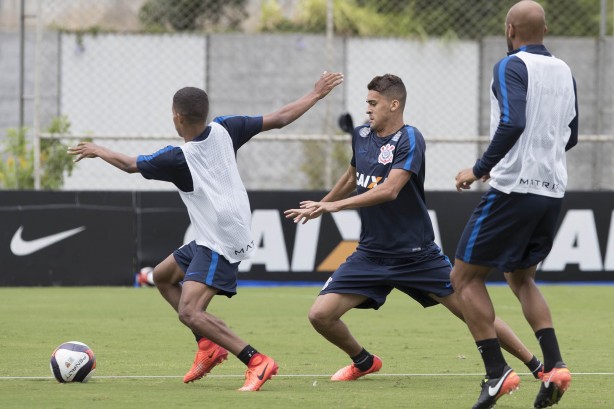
[168, 165]
[573, 125]
[240, 128]
[510, 80]
[409, 151]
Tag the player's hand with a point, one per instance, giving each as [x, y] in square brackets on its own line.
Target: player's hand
[319, 208]
[327, 81]
[464, 179]
[299, 215]
[83, 150]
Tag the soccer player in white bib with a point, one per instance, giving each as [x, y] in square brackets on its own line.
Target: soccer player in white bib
[534, 121]
[205, 172]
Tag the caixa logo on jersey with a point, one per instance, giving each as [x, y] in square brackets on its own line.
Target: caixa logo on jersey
[273, 253]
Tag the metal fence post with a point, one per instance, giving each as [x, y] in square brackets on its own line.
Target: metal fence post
[37, 96]
[328, 179]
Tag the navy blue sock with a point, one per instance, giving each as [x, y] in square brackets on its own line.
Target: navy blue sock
[363, 361]
[534, 364]
[492, 357]
[246, 354]
[550, 347]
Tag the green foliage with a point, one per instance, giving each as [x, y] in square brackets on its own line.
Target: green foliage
[474, 19]
[480, 18]
[190, 15]
[54, 160]
[350, 17]
[572, 18]
[272, 18]
[421, 18]
[17, 168]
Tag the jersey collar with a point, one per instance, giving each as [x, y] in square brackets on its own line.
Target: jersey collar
[533, 49]
[203, 135]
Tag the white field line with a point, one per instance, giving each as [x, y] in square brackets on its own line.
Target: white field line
[434, 375]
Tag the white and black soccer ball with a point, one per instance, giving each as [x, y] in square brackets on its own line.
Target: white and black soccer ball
[144, 277]
[73, 361]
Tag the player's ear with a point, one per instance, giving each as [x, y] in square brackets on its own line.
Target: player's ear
[394, 105]
[511, 31]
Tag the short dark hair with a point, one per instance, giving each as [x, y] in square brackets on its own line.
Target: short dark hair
[192, 103]
[390, 86]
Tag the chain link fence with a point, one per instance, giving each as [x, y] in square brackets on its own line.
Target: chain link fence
[110, 68]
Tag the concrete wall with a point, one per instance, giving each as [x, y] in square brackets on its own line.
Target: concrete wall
[9, 79]
[123, 85]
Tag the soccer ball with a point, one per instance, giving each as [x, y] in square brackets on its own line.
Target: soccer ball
[144, 277]
[73, 361]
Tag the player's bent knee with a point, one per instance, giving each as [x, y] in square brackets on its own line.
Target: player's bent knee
[186, 316]
[312, 316]
[518, 282]
[456, 280]
[319, 318]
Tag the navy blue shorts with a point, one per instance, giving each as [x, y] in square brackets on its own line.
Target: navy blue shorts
[204, 265]
[510, 231]
[417, 275]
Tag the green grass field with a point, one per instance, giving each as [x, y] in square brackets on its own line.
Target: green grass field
[143, 351]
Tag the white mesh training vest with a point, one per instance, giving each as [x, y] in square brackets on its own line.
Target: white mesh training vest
[536, 163]
[218, 207]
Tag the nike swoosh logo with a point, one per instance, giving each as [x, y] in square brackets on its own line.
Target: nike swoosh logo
[492, 391]
[21, 247]
[261, 376]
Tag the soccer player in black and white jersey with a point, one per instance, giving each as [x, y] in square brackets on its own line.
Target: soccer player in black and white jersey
[396, 247]
[534, 121]
[204, 170]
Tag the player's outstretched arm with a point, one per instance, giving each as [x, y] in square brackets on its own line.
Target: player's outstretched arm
[291, 112]
[386, 192]
[342, 189]
[91, 150]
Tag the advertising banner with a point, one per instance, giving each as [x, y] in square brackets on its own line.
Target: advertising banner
[104, 238]
[66, 238]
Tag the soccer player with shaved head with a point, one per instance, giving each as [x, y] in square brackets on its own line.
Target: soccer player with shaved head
[534, 121]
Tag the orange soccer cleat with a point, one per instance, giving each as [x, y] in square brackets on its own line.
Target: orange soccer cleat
[554, 384]
[261, 368]
[207, 357]
[493, 389]
[351, 372]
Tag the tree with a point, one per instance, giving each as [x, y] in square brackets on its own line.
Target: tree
[351, 17]
[479, 18]
[190, 15]
[472, 19]
[17, 170]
